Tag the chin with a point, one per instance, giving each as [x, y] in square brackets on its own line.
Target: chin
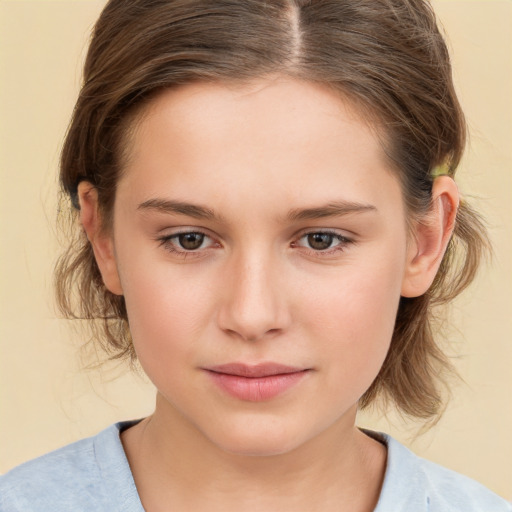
[257, 438]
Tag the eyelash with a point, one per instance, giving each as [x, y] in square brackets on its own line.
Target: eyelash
[166, 242]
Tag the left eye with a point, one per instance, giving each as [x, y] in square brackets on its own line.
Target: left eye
[321, 241]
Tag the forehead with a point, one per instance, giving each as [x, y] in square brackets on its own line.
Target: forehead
[278, 138]
[280, 105]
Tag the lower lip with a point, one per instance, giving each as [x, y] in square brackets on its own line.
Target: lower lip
[256, 389]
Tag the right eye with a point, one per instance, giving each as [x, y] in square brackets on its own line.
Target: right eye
[186, 243]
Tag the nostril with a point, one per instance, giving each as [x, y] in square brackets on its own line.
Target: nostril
[252, 336]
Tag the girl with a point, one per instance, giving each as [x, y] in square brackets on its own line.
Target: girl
[268, 215]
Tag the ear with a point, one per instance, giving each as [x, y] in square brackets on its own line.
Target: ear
[102, 243]
[430, 238]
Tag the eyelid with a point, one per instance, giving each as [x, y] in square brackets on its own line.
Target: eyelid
[326, 231]
[171, 232]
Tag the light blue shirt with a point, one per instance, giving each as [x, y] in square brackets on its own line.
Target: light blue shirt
[93, 475]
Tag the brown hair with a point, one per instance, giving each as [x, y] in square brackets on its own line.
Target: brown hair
[387, 56]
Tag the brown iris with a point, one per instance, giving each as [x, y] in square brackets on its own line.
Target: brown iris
[320, 241]
[191, 241]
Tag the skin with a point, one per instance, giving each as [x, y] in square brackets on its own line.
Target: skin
[257, 290]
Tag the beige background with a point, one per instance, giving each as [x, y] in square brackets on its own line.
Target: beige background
[47, 400]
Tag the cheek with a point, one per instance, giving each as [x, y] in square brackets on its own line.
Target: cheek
[361, 297]
[166, 312]
[352, 321]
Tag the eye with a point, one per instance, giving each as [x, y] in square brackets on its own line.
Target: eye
[186, 243]
[323, 241]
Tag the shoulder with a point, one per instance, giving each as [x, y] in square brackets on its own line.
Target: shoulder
[414, 483]
[70, 478]
[70, 470]
[449, 491]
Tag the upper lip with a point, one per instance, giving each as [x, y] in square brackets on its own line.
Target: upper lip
[255, 370]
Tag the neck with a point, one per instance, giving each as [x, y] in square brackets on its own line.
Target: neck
[339, 469]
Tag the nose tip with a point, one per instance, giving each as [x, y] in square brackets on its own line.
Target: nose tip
[254, 306]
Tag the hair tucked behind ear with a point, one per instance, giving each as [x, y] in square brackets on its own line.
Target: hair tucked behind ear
[387, 56]
[81, 295]
[416, 367]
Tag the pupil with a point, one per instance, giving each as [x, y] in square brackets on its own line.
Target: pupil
[320, 241]
[191, 241]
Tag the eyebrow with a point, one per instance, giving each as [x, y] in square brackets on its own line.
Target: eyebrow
[179, 207]
[332, 209]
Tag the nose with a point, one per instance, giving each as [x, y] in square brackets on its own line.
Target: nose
[254, 302]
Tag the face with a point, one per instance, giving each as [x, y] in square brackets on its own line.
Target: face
[260, 242]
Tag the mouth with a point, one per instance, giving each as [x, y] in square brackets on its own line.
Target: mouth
[256, 383]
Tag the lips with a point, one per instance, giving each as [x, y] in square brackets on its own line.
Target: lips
[254, 371]
[255, 383]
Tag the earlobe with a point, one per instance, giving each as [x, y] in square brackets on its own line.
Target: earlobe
[430, 238]
[101, 242]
